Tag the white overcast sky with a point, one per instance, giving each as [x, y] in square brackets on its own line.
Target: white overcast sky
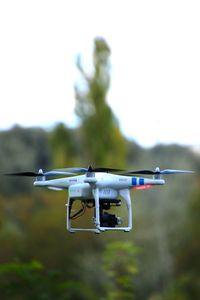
[155, 76]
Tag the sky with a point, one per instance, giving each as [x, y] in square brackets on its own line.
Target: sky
[155, 64]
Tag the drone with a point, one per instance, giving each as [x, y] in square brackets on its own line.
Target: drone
[99, 189]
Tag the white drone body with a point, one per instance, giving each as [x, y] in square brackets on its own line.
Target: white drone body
[100, 190]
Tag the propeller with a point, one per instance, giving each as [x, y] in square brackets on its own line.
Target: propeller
[28, 174]
[157, 171]
[64, 172]
[40, 173]
[90, 169]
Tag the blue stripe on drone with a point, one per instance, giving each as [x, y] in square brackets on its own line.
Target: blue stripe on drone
[134, 181]
[141, 181]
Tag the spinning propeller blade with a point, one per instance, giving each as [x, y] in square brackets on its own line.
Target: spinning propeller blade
[40, 173]
[157, 171]
[64, 172]
[72, 170]
[141, 172]
[28, 174]
[106, 170]
[170, 171]
[90, 169]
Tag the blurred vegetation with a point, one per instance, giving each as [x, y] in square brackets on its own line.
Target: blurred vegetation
[39, 259]
[97, 120]
[120, 265]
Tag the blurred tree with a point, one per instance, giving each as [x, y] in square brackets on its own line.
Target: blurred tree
[62, 140]
[119, 264]
[102, 140]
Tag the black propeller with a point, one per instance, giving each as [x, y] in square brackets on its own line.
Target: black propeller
[40, 173]
[141, 172]
[28, 174]
[90, 169]
[64, 172]
[107, 170]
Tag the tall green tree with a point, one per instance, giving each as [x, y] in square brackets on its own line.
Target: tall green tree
[102, 140]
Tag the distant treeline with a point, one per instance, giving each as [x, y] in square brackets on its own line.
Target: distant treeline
[24, 149]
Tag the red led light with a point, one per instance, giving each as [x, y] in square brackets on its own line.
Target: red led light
[142, 187]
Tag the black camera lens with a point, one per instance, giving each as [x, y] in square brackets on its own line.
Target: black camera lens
[108, 220]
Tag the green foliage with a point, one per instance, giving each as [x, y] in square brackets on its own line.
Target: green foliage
[101, 136]
[187, 263]
[119, 264]
[63, 146]
[33, 281]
